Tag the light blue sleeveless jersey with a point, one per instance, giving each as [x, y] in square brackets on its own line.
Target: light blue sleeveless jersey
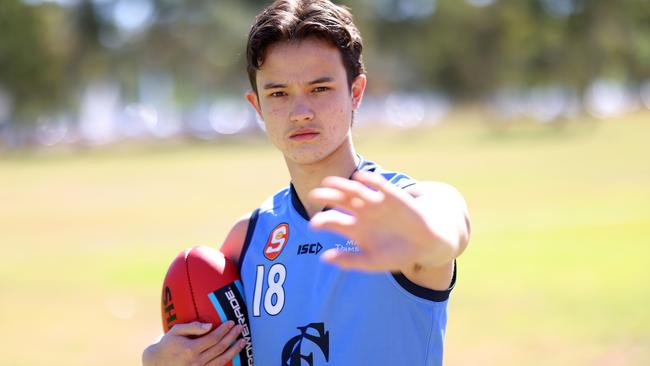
[303, 311]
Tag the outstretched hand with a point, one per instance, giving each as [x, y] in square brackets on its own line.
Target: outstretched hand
[383, 220]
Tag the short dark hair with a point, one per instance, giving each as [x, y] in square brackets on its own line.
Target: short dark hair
[295, 20]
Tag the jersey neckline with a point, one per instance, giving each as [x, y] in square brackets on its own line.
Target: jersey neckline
[363, 164]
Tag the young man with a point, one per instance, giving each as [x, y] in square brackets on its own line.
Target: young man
[350, 264]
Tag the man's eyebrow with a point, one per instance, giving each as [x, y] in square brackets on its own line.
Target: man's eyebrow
[272, 85]
[324, 79]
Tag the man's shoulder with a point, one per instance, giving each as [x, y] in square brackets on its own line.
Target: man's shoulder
[234, 242]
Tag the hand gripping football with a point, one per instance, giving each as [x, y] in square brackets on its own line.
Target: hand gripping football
[203, 285]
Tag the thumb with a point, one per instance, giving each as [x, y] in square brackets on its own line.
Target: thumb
[190, 329]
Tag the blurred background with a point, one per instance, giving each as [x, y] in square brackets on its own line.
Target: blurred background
[100, 71]
[125, 138]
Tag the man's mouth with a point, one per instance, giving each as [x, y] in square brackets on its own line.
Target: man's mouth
[303, 134]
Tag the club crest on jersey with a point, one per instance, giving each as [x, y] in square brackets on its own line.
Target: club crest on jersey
[277, 240]
[292, 353]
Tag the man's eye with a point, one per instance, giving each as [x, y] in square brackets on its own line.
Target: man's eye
[278, 94]
[321, 89]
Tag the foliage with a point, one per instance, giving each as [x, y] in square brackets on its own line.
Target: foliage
[50, 52]
[29, 69]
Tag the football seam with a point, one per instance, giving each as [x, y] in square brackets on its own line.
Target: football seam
[189, 280]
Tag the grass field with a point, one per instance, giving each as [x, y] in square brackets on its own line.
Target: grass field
[557, 272]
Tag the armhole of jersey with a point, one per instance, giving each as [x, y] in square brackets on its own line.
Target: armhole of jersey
[423, 292]
[249, 236]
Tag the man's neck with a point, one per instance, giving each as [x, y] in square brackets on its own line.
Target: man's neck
[306, 177]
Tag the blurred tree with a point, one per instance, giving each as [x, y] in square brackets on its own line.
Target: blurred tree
[468, 49]
[201, 45]
[29, 69]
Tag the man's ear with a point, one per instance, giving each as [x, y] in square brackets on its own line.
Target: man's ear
[254, 101]
[358, 87]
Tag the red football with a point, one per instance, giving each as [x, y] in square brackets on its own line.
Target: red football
[201, 284]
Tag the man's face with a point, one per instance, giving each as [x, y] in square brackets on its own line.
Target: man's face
[305, 100]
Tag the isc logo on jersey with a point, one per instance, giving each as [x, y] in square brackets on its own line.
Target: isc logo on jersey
[278, 238]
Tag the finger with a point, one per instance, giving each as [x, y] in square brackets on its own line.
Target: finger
[190, 329]
[214, 337]
[350, 260]
[225, 357]
[335, 198]
[222, 345]
[333, 220]
[373, 180]
[352, 188]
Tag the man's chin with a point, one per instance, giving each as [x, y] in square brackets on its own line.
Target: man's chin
[305, 157]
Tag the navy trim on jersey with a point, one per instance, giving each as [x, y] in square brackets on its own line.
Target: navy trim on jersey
[297, 204]
[409, 185]
[365, 165]
[249, 236]
[423, 292]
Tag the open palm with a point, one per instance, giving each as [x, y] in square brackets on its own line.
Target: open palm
[383, 221]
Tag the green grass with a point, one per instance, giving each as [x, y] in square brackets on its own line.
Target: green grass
[556, 272]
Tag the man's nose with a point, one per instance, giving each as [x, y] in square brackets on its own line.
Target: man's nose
[301, 111]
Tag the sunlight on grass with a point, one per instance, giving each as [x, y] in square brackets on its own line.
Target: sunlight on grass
[555, 274]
